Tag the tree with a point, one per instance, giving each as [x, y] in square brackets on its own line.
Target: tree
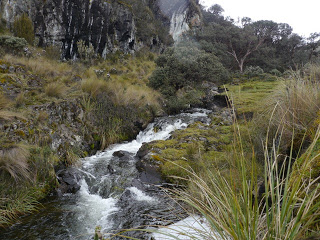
[23, 28]
[313, 43]
[244, 41]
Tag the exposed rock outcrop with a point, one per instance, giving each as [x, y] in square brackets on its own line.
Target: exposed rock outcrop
[107, 25]
[182, 14]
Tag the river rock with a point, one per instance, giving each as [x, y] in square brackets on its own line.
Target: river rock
[123, 156]
[148, 167]
[69, 180]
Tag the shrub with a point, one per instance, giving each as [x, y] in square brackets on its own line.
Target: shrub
[13, 44]
[86, 52]
[23, 28]
[253, 71]
[275, 72]
[186, 65]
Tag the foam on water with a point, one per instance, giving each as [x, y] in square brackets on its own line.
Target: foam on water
[141, 196]
[193, 227]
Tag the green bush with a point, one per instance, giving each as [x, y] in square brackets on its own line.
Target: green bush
[23, 28]
[185, 65]
[12, 44]
[275, 72]
[253, 71]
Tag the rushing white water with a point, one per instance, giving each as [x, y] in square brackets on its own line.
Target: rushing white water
[109, 196]
[100, 208]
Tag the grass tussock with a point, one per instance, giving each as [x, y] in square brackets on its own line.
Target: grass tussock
[4, 102]
[125, 94]
[24, 202]
[94, 86]
[9, 115]
[287, 209]
[14, 161]
[294, 107]
[55, 89]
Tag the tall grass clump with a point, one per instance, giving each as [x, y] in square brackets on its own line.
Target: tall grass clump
[298, 106]
[233, 209]
[94, 86]
[4, 102]
[55, 89]
[14, 161]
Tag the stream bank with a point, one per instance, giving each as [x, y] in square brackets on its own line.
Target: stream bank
[111, 195]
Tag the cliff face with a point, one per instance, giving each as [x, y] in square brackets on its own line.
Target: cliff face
[182, 14]
[109, 25]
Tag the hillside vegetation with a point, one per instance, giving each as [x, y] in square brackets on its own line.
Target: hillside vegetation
[52, 113]
[253, 172]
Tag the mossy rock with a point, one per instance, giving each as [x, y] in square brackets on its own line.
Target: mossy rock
[176, 169]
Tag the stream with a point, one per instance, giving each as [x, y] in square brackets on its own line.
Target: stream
[111, 194]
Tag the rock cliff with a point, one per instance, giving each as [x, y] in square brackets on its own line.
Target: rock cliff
[109, 25]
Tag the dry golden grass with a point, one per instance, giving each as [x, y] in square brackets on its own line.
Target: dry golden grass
[20, 100]
[55, 89]
[94, 86]
[125, 94]
[313, 71]
[294, 108]
[14, 161]
[4, 102]
[41, 66]
[9, 115]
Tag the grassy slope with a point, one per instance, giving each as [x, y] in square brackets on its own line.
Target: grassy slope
[38, 81]
[210, 147]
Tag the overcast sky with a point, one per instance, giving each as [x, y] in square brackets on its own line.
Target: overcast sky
[302, 16]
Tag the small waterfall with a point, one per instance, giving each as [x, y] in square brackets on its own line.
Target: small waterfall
[107, 197]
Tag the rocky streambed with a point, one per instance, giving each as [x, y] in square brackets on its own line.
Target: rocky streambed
[110, 191]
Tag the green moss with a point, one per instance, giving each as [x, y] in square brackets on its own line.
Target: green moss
[177, 169]
[172, 154]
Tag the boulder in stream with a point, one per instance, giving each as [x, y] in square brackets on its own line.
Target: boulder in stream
[69, 181]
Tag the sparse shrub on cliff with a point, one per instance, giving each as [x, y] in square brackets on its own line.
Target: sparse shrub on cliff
[23, 28]
[86, 52]
[2, 24]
